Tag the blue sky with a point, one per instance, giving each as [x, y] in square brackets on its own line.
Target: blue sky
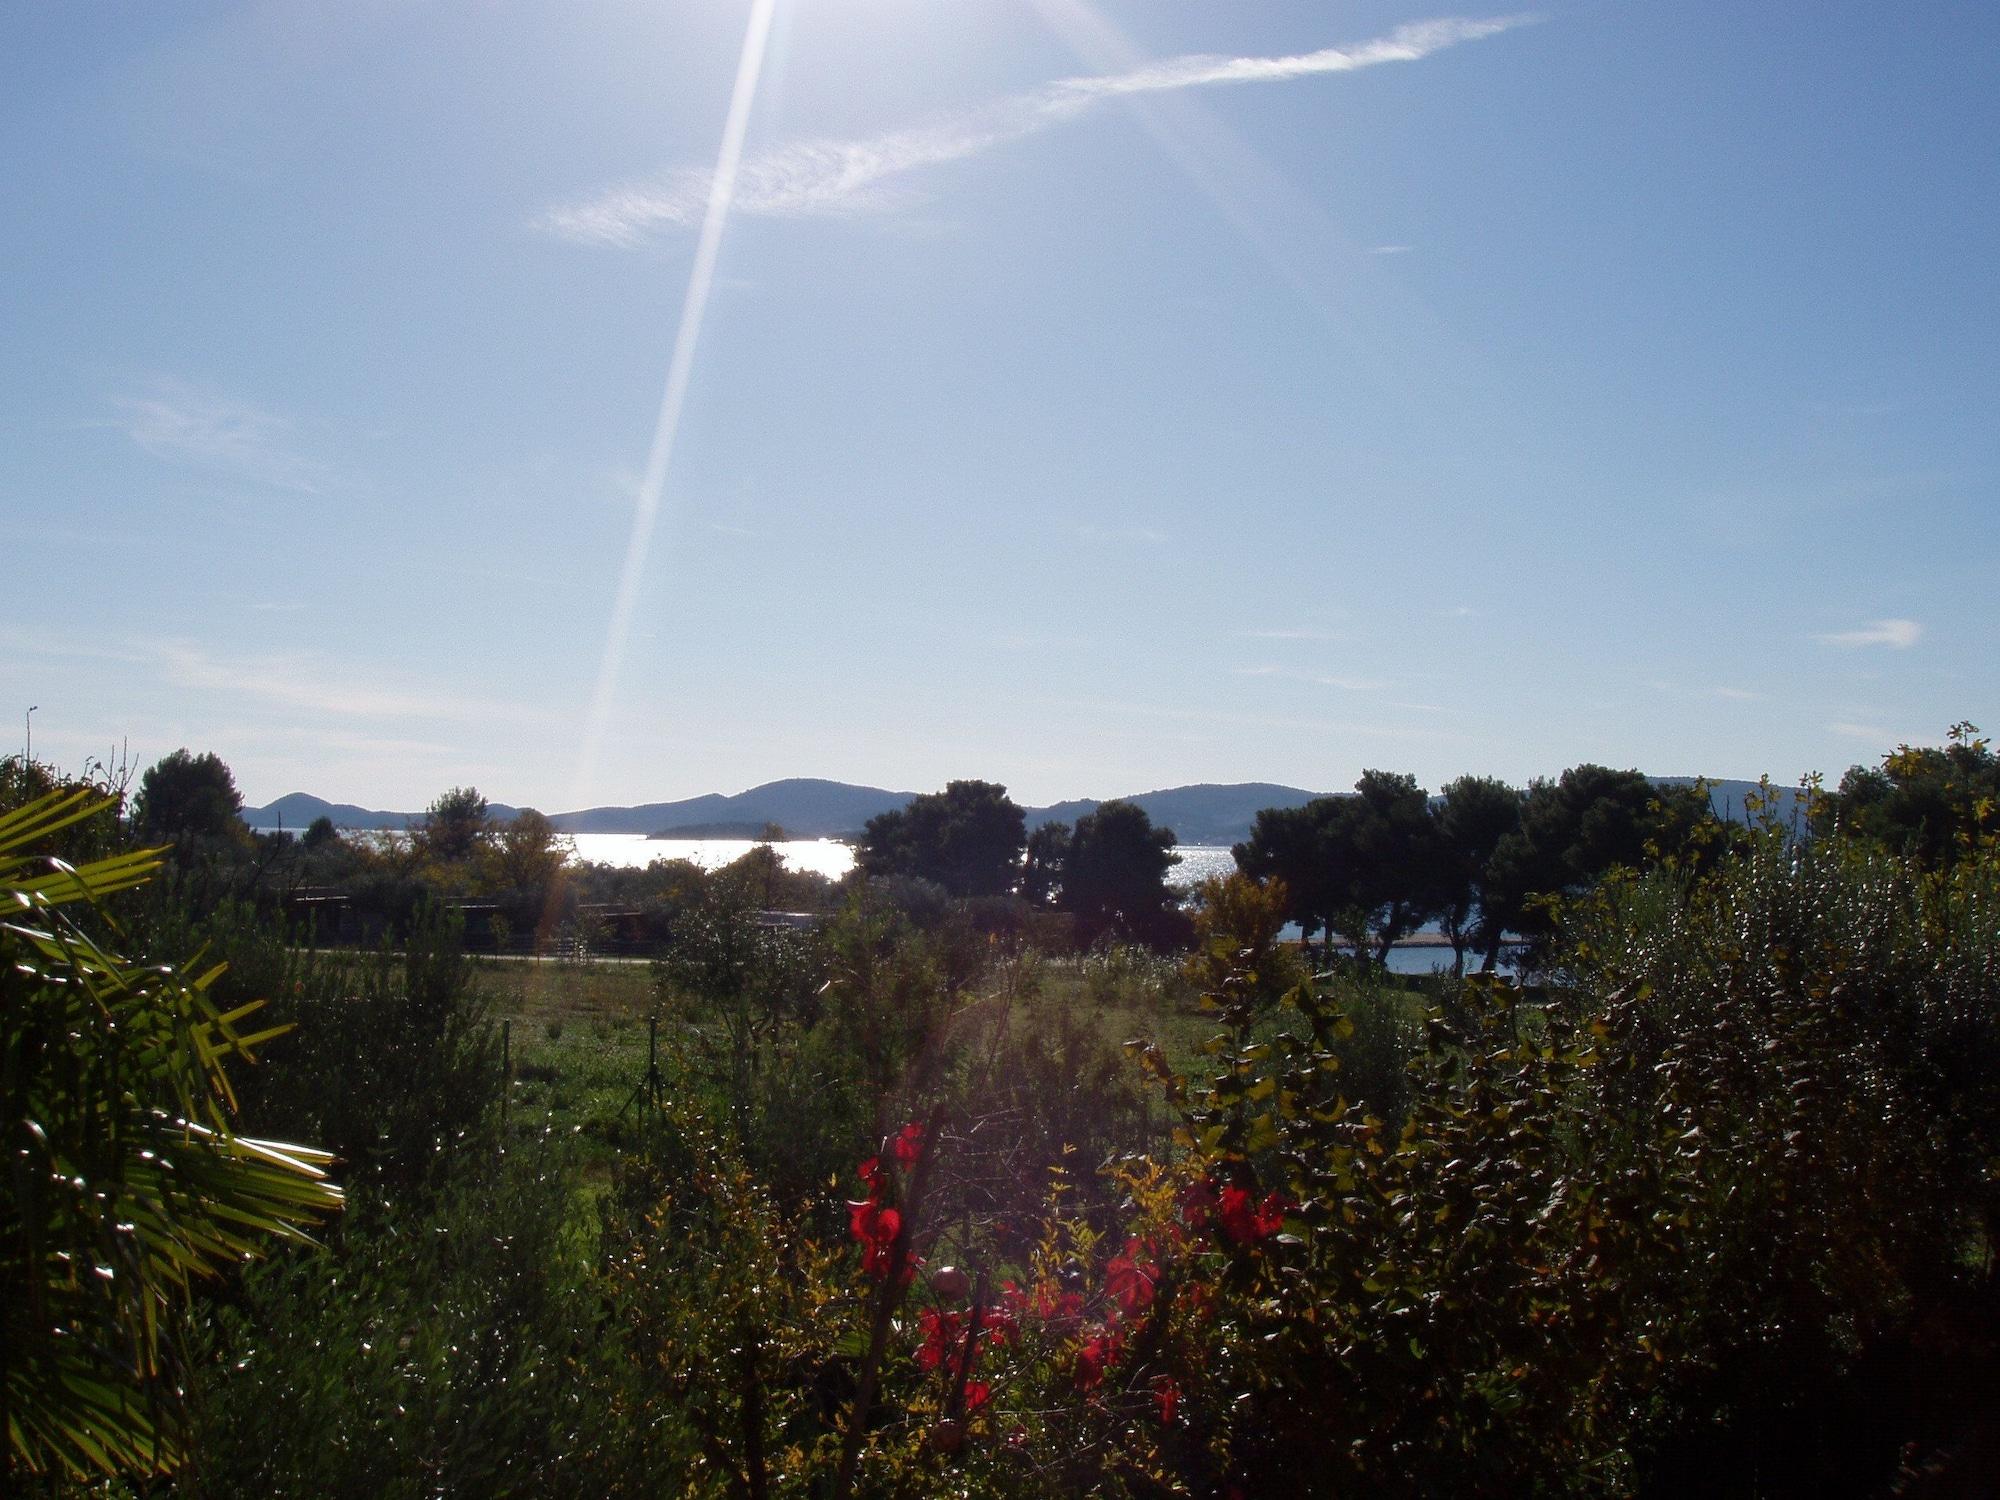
[1089, 395]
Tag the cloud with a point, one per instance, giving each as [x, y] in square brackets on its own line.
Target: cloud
[1901, 634]
[1316, 679]
[1121, 534]
[1873, 733]
[296, 681]
[1736, 694]
[291, 681]
[1287, 635]
[839, 177]
[182, 424]
[1388, 250]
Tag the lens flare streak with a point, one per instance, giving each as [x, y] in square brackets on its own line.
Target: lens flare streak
[659, 459]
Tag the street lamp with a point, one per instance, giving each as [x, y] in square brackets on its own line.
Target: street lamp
[28, 755]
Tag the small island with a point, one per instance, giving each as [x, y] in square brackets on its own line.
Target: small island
[760, 832]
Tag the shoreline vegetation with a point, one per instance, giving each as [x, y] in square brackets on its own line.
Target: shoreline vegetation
[1007, 1172]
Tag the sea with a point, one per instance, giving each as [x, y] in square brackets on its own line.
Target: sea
[833, 859]
[828, 857]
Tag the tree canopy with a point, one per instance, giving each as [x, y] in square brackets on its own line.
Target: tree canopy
[456, 824]
[1473, 814]
[967, 838]
[1927, 802]
[1370, 866]
[1114, 876]
[189, 800]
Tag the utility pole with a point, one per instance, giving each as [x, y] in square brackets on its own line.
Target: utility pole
[28, 755]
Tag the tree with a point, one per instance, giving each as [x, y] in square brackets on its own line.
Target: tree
[1387, 861]
[1042, 870]
[1237, 922]
[528, 854]
[1115, 876]
[1574, 831]
[191, 802]
[455, 825]
[127, 1180]
[1473, 814]
[1286, 845]
[1931, 803]
[1369, 866]
[967, 838]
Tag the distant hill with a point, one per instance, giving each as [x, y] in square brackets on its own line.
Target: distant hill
[1728, 798]
[1209, 813]
[807, 808]
[295, 811]
[298, 810]
[803, 806]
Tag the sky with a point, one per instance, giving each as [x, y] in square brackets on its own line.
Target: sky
[607, 402]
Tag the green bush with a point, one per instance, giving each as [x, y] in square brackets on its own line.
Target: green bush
[392, 1059]
[444, 1351]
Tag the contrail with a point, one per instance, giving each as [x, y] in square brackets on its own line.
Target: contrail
[844, 176]
[646, 511]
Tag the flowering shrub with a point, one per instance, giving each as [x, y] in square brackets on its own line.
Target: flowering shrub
[1594, 1207]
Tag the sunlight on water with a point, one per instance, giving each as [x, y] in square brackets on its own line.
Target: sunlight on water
[821, 856]
[634, 851]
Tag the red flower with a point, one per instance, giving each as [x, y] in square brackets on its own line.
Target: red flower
[977, 1394]
[1129, 1279]
[1198, 1203]
[1244, 1222]
[876, 1228]
[1271, 1214]
[1058, 1309]
[871, 1174]
[997, 1323]
[940, 1337]
[1097, 1355]
[1236, 1216]
[1167, 1396]
[907, 1144]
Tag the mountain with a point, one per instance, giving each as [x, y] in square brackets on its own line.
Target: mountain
[808, 808]
[1729, 798]
[804, 806]
[296, 811]
[1208, 813]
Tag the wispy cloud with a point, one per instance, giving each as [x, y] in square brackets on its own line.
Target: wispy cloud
[835, 177]
[1146, 534]
[1316, 679]
[290, 680]
[1682, 690]
[300, 681]
[1899, 634]
[1388, 249]
[187, 425]
[1873, 733]
[1287, 635]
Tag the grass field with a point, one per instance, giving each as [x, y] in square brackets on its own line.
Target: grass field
[578, 1032]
